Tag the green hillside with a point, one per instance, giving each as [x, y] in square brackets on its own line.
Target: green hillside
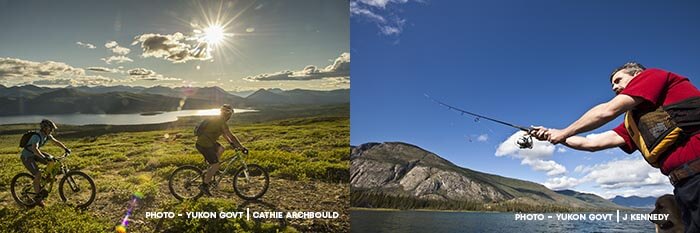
[307, 159]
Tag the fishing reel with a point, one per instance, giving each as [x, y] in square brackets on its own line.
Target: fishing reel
[525, 142]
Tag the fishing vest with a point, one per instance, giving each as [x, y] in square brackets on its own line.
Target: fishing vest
[655, 132]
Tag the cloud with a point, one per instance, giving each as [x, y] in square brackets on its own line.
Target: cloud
[14, 71]
[146, 74]
[339, 69]
[559, 183]
[628, 173]
[561, 149]
[550, 167]
[86, 45]
[483, 138]
[102, 69]
[116, 49]
[171, 47]
[535, 157]
[78, 81]
[627, 176]
[116, 59]
[379, 12]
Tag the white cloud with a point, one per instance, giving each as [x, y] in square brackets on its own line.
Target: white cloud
[550, 167]
[149, 75]
[381, 14]
[14, 71]
[559, 183]
[171, 47]
[86, 45]
[628, 173]
[483, 138]
[116, 49]
[103, 69]
[116, 59]
[339, 69]
[620, 177]
[535, 157]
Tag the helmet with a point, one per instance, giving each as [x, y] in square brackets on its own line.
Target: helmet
[227, 109]
[45, 123]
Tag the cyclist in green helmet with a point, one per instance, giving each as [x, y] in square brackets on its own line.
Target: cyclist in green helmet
[207, 145]
[32, 154]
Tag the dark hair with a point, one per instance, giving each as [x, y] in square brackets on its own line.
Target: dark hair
[630, 68]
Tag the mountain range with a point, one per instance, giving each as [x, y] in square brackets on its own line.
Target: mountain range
[635, 201]
[404, 176]
[30, 99]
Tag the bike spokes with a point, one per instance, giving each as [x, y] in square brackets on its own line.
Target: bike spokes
[77, 189]
[251, 182]
[184, 183]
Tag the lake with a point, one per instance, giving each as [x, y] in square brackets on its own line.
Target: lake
[437, 222]
[113, 119]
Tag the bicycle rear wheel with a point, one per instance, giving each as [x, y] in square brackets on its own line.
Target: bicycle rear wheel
[184, 182]
[22, 189]
[77, 188]
[251, 183]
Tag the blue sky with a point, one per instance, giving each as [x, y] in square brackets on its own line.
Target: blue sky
[263, 43]
[525, 62]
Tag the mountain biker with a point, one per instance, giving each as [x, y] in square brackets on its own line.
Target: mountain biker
[208, 146]
[32, 154]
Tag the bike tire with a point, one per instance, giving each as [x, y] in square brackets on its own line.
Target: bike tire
[265, 182]
[72, 175]
[14, 185]
[183, 169]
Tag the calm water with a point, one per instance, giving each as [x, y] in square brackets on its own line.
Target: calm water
[113, 119]
[436, 222]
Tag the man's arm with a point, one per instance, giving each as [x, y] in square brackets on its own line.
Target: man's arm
[58, 143]
[596, 117]
[232, 139]
[34, 148]
[606, 140]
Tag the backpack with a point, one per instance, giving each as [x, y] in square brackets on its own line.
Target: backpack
[26, 137]
[199, 128]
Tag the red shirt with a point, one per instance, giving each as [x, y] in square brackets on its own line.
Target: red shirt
[658, 88]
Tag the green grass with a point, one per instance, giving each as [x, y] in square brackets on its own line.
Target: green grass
[305, 149]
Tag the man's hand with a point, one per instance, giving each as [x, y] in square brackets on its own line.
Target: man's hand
[557, 136]
[539, 132]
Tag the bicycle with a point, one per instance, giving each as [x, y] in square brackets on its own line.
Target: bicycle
[250, 181]
[80, 190]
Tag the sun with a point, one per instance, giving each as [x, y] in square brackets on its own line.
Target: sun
[213, 34]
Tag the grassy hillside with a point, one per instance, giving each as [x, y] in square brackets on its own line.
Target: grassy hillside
[307, 157]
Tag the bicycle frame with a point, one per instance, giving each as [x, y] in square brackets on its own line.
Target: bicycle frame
[50, 178]
[219, 175]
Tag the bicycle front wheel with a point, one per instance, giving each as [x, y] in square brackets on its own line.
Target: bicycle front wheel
[184, 182]
[77, 188]
[251, 182]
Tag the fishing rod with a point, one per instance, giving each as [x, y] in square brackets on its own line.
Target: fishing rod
[525, 142]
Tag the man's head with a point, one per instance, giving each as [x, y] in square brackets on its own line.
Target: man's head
[47, 126]
[226, 111]
[622, 76]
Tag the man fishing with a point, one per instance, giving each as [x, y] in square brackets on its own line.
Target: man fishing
[662, 121]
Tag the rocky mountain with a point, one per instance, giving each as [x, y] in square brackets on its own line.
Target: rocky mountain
[589, 198]
[635, 201]
[400, 175]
